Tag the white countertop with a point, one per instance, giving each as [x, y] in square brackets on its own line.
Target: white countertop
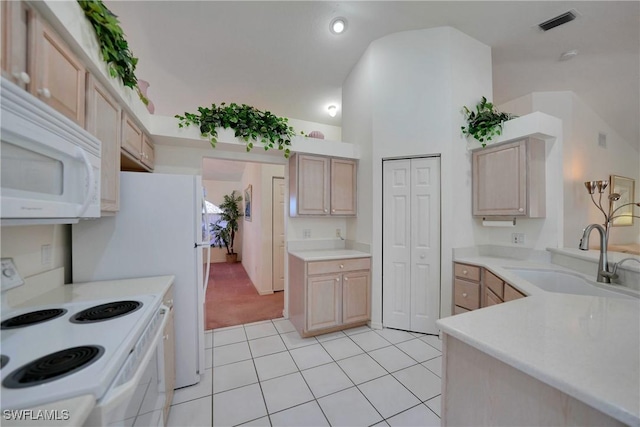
[587, 347]
[90, 291]
[80, 407]
[328, 254]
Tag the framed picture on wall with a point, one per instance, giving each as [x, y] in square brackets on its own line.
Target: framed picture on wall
[247, 203]
[625, 187]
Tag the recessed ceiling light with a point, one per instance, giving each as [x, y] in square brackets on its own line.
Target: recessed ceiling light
[568, 54]
[333, 110]
[338, 25]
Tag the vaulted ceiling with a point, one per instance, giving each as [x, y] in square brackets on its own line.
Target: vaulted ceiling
[280, 56]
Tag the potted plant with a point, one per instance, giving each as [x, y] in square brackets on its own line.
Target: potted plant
[224, 230]
[485, 122]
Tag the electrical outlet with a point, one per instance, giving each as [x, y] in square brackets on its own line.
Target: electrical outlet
[45, 255]
[517, 238]
[338, 232]
[306, 233]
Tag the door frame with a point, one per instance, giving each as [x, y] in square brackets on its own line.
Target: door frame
[284, 213]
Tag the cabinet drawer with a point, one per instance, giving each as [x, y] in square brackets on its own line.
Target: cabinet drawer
[511, 293]
[467, 294]
[468, 272]
[459, 310]
[338, 265]
[494, 283]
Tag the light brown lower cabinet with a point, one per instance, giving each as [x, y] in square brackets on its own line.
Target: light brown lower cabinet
[326, 296]
[475, 287]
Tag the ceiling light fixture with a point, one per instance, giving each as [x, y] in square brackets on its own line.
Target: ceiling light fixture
[338, 25]
[568, 54]
[333, 110]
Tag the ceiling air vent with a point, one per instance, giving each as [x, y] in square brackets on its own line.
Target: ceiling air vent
[558, 20]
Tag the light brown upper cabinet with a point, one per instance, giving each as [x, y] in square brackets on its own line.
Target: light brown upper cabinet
[509, 179]
[15, 49]
[322, 186]
[103, 121]
[58, 76]
[137, 148]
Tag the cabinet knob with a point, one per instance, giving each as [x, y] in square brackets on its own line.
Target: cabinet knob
[326, 210]
[521, 210]
[422, 256]
[337, 279]
[165, 337]
[346, 279]
[465, 272]
[45, 93]
[464, 295]
[22, 77]
[333, 210]
[341, 265]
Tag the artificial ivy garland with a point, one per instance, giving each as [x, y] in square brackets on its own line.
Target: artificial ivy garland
[248, 122]
[484, 123]
[113, 46]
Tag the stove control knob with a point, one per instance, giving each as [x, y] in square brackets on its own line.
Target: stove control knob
[8, 272]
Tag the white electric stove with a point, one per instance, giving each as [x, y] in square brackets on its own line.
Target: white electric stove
[100, 348]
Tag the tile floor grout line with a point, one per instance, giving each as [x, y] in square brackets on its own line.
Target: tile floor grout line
[264, 400]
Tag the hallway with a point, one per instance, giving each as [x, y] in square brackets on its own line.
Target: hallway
[231, 299]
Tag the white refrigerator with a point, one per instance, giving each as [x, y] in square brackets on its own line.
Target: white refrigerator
[161, 229]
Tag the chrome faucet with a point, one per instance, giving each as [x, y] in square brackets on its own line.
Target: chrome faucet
[614, 273]
[604, 275]
[603, 262]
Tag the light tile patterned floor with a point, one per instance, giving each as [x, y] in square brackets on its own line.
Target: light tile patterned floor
[265, 374]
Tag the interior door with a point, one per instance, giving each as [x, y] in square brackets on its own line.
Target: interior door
[411, 244]
[396, 247]
[278, 234]
[425, 244]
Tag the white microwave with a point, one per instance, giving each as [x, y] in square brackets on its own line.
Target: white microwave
[50, 171]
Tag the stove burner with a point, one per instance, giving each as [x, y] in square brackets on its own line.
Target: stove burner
[53, 366]
[32, 318]
[107, 311]
[3, 360]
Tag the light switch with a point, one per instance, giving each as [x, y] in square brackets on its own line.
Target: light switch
[10, 276]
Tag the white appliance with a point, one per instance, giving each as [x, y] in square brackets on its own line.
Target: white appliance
[161, 229]
[50, 165]
[110, 349]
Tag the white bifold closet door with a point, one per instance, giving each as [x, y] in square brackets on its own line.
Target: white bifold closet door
[411, 244]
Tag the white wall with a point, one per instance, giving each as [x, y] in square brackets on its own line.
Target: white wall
[413, 86]
[24, 245]
[582, 160]
[257, 240]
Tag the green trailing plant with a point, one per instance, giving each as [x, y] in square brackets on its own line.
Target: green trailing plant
[224, 230]
[249, 123]
[113, 46]
[485, 122]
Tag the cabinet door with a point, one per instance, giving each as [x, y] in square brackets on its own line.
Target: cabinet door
[103, 121]
[510, 293]
[147, 156]
[313, 185]
[343, 187]
[15, 28]
[131, 137]
[169, 363]
[323, 301]
[490, 298]
[59, 76]
[356, 297]
[500, 180]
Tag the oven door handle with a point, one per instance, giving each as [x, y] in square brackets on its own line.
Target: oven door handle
[122, 392]
[91, 189]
